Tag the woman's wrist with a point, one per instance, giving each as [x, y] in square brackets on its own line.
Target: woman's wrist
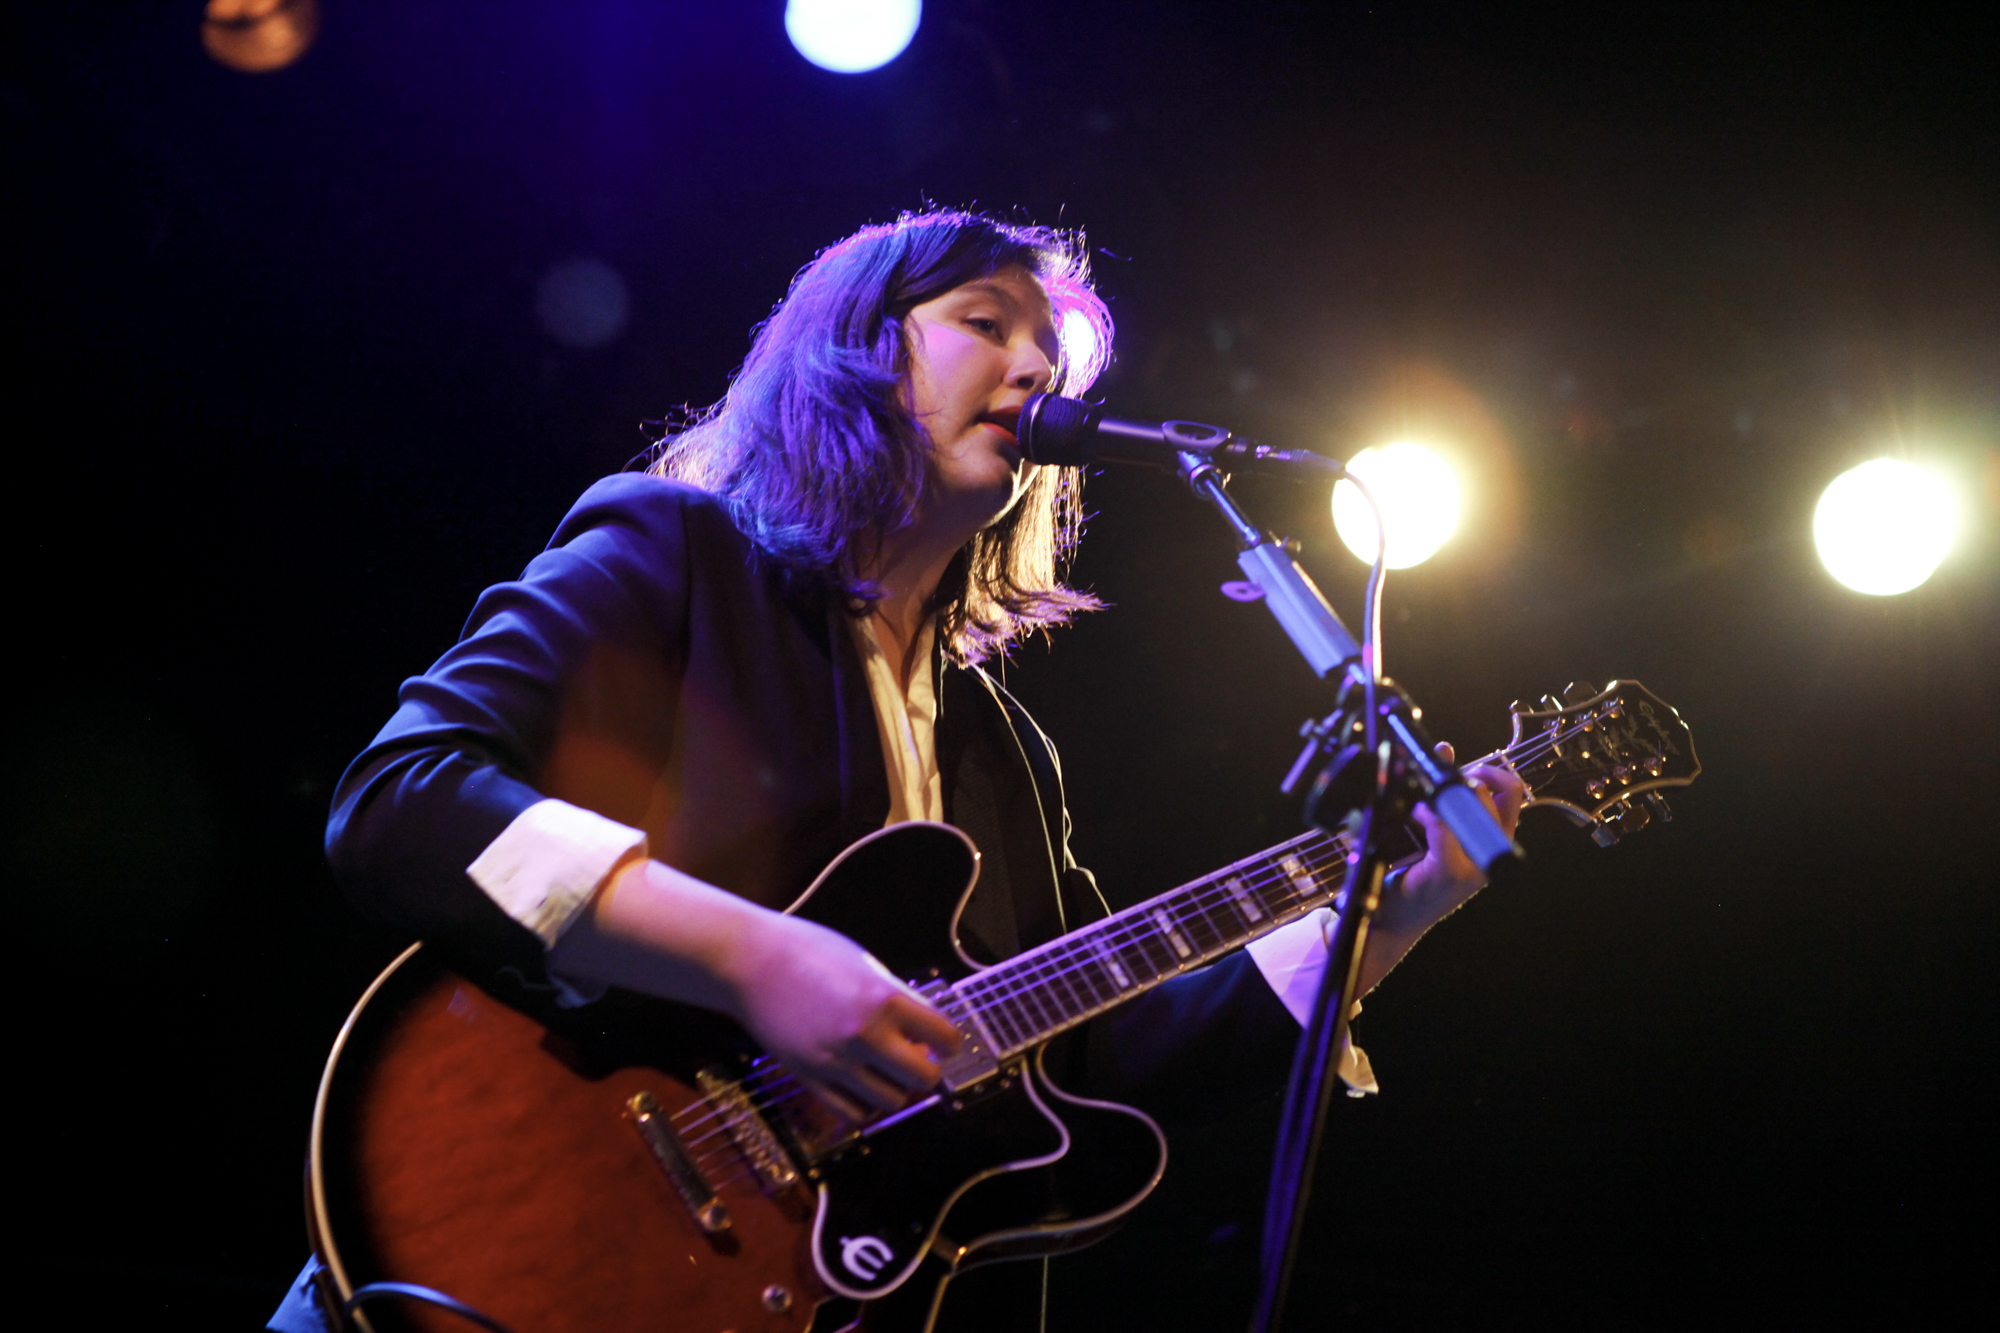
[654, 929]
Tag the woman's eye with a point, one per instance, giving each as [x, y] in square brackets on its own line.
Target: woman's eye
[985, 325]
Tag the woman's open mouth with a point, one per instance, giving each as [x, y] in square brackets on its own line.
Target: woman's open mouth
[1006, 419]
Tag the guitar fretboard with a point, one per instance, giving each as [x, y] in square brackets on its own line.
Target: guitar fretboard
[1035, 995]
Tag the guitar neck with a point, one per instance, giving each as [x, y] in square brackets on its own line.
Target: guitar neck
[1036, 995]
[1047, 990]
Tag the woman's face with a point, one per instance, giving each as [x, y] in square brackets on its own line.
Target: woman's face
[976, 353]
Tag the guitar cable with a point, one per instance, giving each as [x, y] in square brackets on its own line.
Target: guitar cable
[429, 1295]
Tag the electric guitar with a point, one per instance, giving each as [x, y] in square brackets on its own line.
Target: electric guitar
[637, 1165]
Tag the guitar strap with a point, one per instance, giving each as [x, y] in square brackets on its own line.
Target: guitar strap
[1003, 788]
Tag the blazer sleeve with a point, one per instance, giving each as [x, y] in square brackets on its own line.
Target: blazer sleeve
[471, 737]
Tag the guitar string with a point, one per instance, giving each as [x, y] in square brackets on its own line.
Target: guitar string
[776, 1080]
[778, 1087]
[766, 1080]
[998, 998]
[1067, 957]
[761, 1086]
[1030, 975]
[1053, 964]
[769, 1089]
[763, 1081]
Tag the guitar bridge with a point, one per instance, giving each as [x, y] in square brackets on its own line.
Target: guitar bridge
[709, 1212]
[766, 1157]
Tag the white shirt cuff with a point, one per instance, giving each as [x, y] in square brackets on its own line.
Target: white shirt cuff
[1293, 958]
[545, 867]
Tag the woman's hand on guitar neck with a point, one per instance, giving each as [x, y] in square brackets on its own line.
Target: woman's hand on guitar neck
[813, 998]
[1426, 892]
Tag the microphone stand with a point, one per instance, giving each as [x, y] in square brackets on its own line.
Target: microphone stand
[1374, 761]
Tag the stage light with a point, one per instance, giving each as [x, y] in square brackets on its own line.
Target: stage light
[1419, 496]
[258, 36]
[852, 36]
[1079, 339]
[1885, 526]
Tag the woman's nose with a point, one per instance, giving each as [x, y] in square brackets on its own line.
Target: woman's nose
[1033, 371]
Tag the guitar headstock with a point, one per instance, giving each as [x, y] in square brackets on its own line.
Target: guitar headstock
[1602, 757]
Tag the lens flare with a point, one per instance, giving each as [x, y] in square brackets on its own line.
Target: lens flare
[583, 303]
[1419, 496]
[852, 36]
[1885, 526]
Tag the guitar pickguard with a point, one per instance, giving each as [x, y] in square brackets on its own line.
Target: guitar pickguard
[883, 1201]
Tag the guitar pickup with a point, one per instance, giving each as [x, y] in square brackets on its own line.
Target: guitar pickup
[975, 1061]
[761, 1150]
[710, 1214]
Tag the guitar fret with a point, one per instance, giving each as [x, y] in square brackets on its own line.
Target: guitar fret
[1036, 1006]
[1032, 997]
[1159, 955]
[999, 1021]
[1274, 893]
[1068, 987]
[1298, 877]
[1132, 953]
[1169, 932]
[1064, 982]
[1210, 936]
[1029, 1017]
[1109, 962]
[1006, 1023]
[1087, 976]
[1102, 984]
[1244, 900]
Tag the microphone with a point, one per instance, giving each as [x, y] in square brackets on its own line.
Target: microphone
[1068, 432]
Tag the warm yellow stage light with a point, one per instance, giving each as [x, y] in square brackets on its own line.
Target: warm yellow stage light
[1419, 497]
[1883, 527]
[258, 36]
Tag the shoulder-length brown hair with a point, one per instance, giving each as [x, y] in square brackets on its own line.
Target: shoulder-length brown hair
[818, 456]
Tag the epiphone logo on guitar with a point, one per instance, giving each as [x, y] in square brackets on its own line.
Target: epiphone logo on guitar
[864, 1256]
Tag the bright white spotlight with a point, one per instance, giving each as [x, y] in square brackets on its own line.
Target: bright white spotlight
[851, 36]
[1419, 497]
[1079, 339]
[1883, 527]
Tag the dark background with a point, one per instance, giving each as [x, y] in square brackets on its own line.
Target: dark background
[281, 405]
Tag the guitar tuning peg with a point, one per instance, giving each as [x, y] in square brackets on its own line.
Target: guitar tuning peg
[1621, 819]
[1659, 804]
[1577, 691]
[1552, 704]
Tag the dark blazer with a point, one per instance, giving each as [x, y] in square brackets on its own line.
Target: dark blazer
[650, 667]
